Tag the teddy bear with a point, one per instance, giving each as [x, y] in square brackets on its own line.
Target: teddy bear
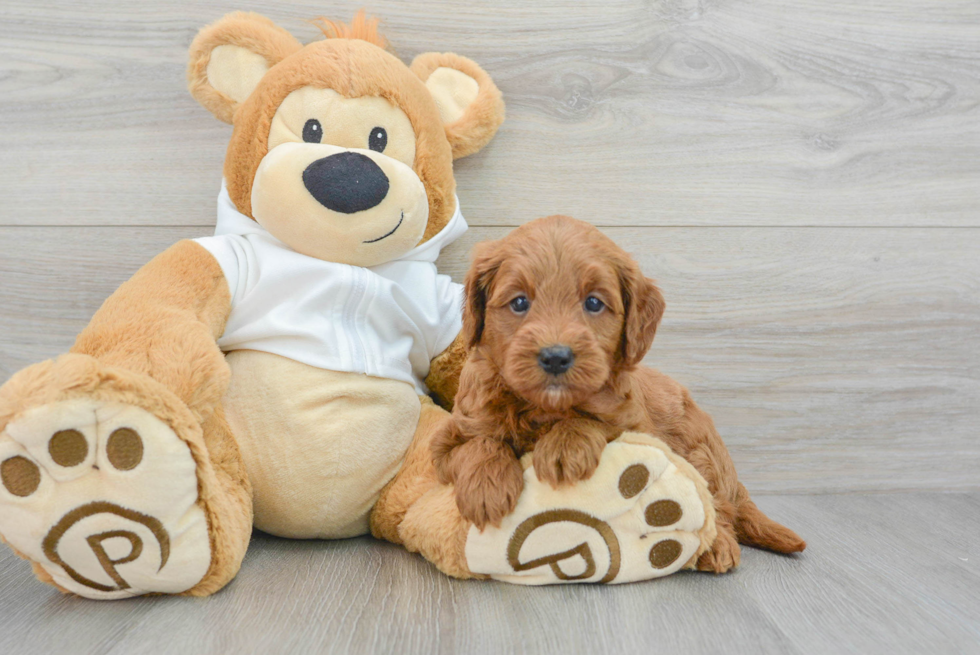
[281, 374]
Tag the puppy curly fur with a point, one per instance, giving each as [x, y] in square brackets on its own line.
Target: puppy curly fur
[508, 404]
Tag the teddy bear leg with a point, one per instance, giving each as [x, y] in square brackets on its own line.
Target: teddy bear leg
[645, 513]
[118, 473]
[112, 488]
[228, 505]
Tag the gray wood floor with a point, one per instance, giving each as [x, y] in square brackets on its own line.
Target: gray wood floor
[883, 573]
[802, 178]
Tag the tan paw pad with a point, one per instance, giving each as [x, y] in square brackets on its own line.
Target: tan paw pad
[20, 476]
[104, 497]
[664, 553]
[638, 517]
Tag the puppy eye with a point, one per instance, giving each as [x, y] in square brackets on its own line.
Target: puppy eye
[312, 131]
[378, 139]
[520, 304]
[593, 305]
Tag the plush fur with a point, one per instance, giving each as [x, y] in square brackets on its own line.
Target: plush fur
[443, 378]
[471, 132]
[508, 404]
[361, 28]
[250, 31]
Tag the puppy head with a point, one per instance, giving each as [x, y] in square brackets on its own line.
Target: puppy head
[559, 309]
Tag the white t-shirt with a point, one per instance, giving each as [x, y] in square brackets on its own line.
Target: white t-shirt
[387, 321]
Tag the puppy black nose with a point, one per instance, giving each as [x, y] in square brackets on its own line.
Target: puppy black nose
[556, 359]
[347, 182]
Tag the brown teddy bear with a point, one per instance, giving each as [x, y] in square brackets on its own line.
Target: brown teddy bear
[276, 374]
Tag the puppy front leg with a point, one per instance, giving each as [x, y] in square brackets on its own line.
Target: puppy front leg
[570, 451]
[488, 478]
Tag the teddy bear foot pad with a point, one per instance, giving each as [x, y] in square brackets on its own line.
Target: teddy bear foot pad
[639, 516]
[103, 496]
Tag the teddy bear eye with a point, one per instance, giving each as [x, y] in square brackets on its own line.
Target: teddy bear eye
[593, 305]
[378, 139]
[520, 304]
[312, 131]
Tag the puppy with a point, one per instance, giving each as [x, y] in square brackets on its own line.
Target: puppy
[558, 318]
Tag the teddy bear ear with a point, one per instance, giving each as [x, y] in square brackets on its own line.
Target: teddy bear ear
[470, 104]
[229, 57]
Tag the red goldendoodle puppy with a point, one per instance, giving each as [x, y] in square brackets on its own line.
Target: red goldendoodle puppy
[558, 319]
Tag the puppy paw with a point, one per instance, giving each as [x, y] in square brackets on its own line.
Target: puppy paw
[103, 497]
[565, 455]
[644, 513]
[724, 555]
[572, 463]
[486, 493]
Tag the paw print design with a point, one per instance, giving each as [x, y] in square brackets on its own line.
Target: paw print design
[102, 496]
[645, 513]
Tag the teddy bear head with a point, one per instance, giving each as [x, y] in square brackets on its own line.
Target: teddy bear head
[339, 149]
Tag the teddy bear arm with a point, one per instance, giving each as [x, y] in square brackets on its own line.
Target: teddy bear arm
[164, 322]
[444, 370]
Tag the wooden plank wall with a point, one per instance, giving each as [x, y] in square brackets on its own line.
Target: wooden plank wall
[802, 178]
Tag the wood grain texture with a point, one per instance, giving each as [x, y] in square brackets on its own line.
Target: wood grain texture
[630, 112]
[890, 573]
[830, 359]
[802, 178]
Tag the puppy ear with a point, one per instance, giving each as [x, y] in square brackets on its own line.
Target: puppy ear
[486, 263]
[470, 104]
[644, 307]
[229, 57]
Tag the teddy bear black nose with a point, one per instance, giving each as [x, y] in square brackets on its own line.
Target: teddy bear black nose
[556, 359]
[347, 182]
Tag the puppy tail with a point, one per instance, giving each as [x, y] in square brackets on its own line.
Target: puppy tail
[754, 528]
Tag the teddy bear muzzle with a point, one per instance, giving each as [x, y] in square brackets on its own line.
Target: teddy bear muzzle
[345, 205]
